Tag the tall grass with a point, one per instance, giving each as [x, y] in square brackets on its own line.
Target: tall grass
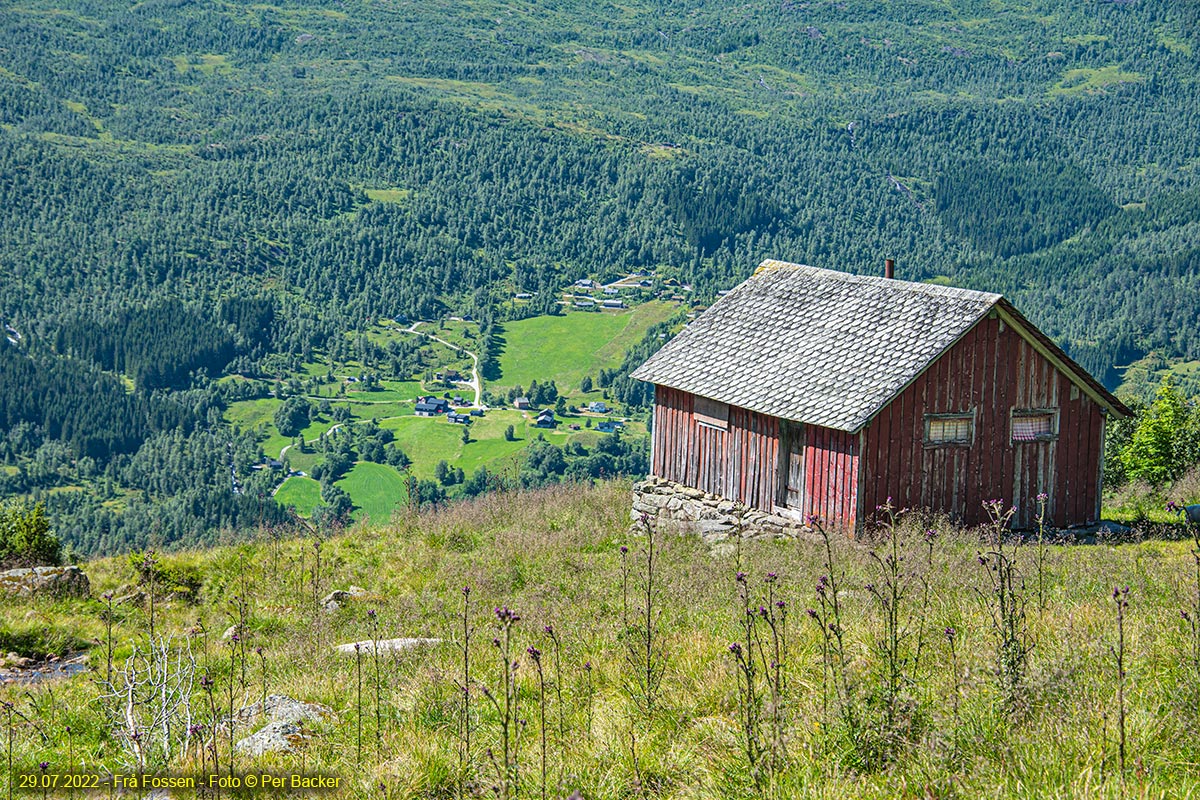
[933, 650]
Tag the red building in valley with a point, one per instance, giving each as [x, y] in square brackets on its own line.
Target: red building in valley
[808, 391]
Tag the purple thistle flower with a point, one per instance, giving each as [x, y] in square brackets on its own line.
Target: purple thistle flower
[1042, 497]
[45, 765]
[234, 639]
[466, 590]
[771, 577]
[950, 633]
[741, 577]
[812, 612]
[624, 550]
[1172, 507]
[587, 665]
[811, 520]
[930, 535]
[534, 653]
[258, 650]
[549, 629]
[735, 648]
[780, 605]
[371, 614]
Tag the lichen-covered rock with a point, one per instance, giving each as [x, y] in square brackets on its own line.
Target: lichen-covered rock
[334, 600]
[52, 581]
[276, 737]
[281, 708]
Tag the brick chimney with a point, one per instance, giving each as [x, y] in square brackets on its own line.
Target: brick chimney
[889, 268]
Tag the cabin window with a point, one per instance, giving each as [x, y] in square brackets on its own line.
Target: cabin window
[943, 430]
[1034, 424]
[711, 414]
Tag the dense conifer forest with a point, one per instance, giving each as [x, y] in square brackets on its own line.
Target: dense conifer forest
[194, 190]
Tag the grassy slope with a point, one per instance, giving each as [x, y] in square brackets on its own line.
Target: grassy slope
[565, 348]
[553, 557]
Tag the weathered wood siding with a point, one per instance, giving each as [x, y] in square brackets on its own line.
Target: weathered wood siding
[739, 463]
[831, 476]
[992, 370]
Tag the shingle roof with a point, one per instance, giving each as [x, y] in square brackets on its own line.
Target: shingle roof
[813, 345]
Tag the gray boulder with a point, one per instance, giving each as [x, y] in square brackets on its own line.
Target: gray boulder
[53, 581]
[281, 708]
[334, 600]
[276, 737]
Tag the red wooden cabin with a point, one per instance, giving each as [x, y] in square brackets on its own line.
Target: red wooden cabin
[808, 391]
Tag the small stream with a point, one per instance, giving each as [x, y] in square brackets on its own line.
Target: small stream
[41, 671]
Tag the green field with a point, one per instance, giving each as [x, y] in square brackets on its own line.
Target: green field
[304, 494]
[566, 348]
[376, 489]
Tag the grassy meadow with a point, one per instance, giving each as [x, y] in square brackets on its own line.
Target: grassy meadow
[904, 696]
[567, 347]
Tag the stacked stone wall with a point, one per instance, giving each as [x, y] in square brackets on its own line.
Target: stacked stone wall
[673, 507]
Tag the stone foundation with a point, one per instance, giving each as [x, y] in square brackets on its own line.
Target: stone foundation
[670, 506]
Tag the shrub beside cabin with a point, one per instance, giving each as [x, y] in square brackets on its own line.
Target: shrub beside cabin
[808, 391]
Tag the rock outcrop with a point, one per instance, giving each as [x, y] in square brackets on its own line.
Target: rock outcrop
[51, 581]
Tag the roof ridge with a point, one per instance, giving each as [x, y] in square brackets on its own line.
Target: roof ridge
[775, 265]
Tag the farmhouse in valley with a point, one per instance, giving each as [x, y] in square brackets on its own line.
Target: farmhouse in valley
[806, 391]
[431, 406]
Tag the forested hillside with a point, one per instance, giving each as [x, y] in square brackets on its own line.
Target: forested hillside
[192, 189]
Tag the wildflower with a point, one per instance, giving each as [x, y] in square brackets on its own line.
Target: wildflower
[466, 590]
[624, 550]
[371, 614]
[258, 651]
[771, 577]
[811, 520]
[1172, 507]
[741, 577]
[812, 613]
[549, 629]
[1042, 497]
[534, 653]
[45, 765]
[780, 605]
[950, 633]
[930, 535]
[735, 648]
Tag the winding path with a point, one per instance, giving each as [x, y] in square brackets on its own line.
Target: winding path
[474, 382]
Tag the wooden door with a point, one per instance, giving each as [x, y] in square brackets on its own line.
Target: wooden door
[791, 470]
